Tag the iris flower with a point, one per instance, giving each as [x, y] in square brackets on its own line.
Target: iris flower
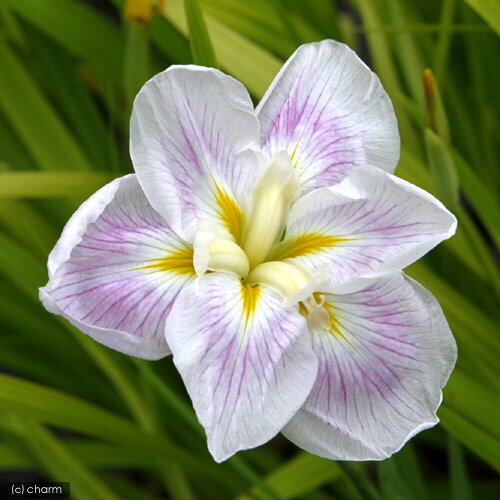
[263, 248]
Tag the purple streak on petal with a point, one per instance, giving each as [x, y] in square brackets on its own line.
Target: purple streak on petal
[246, 379]
[107, 283]
[381, 380]
[330, 113]
[380, 224]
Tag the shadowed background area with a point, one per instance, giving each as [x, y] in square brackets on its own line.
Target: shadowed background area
[117, 427]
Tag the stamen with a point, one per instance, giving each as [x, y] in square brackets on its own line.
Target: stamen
[269, 208]
[317, 316]
[216, 250]
[290, 280]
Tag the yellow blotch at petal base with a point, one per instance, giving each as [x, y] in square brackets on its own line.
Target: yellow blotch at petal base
[304, 244]
[250, 295]
[229, 212]
[334, 322]
[180, 262]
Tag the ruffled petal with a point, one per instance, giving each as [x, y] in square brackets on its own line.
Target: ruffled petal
[191, 139]
[370, 224]
[382, 364]
[245, 358]
[117, 269]
[331, 113]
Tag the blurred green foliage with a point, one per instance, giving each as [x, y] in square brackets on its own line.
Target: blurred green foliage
[116, 427]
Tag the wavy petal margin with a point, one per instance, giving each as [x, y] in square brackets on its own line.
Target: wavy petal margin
[192, 134]
[117, 269]
[382, 364]
[245, 358]
[369, 225]
[331, 113]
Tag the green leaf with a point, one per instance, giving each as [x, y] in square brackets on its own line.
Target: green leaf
[410, 471]
[68, 22]
[442, 54]
[479, 195]
[284, 16]
[471, 435]
[386, 68]
[170, 41]
[489, 10]
[62, 81]
[460, 484]
[35, 121]
[391, 483]
[172, 473]
[442, 168]
[406, 50]
[20, 267]
[61, 463]
[474, 400]
[29, 226]
[470, 413]
[199, 39]
[62, 410]
[13, 154]
[180, 407]
[51, 184]
[257, 21]
[137, 59]
[358, 477]
[128, 489]
[299, 476]
[244, 59]
[321, 15]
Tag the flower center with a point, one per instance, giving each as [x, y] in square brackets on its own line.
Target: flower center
[216, 249]
[287, 278]
[270, 205]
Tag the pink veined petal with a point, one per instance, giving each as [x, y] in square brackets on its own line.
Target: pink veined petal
[382, 366]
[331, 113]
[246, 360]
[117, 269]
[191, 137]
[369, 225]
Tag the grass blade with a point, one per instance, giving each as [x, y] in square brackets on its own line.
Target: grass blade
[199, 40]
[489, 10]
[460, 484]
[36, 122]
[62, 410]
[103, 50]
[299, 476]
[229, 46]
[51, 184]
[61, 463]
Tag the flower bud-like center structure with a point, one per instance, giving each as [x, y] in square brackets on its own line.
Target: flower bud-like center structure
[216, 250]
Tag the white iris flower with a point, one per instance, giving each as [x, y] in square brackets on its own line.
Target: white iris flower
[263, 248]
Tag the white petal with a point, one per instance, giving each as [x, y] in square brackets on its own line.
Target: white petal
[245, 358]
[381, 369]
[117, 269]
[331, 113]
[370, 224]
[192, 129]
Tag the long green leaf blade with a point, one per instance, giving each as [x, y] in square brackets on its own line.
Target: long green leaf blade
[51, 184]
[199, 39]
[489, 10]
